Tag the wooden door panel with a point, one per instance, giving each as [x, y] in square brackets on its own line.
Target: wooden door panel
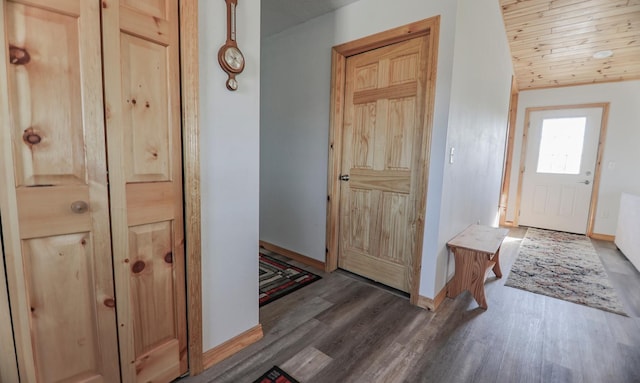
[363, 136]
[403, 69]
[157, 8]
[388, 273]
[144, 150]
[398, 181]
[393, 227]
[359, 221]
[63, 326]
[150, 202]
[39, 207]
[366, 77]
[45, 66]
[400, 133]
[147, 121]
[151, 284]
[382, 136]
[57, 252]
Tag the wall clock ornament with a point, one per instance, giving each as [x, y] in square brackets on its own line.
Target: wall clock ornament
[229, 56]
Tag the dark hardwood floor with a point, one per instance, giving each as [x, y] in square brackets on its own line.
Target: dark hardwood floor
[344, 329]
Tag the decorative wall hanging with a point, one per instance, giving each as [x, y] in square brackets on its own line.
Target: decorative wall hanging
[229, 56]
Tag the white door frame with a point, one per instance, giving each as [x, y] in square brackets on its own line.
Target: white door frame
[596, 177]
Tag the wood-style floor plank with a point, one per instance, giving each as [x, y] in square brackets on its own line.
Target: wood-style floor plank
[346, 329]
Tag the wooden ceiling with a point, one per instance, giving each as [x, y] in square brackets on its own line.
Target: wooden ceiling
[553, 41]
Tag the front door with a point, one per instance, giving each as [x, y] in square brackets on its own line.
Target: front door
[560, 164]
[383, 128]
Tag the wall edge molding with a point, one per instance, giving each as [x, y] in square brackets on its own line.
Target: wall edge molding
[312, 262]
[232, 346]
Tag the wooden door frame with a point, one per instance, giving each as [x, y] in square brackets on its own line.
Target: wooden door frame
[508, 162]
[190, 86]
[429, 27]
[597, 172]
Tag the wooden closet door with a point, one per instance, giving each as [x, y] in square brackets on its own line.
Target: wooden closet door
[142, 91]
[53, 193]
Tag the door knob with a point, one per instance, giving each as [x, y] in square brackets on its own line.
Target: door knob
[79, 207]
[586, 182]
[344, 177]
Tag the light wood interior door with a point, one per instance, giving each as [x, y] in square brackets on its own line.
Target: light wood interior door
[383, 131]
[142, 91]
[54, 197]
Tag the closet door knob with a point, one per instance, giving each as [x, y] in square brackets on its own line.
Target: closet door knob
[79, 207]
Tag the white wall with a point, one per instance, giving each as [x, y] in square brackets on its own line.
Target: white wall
[229, 139]
[295, 120]
[478, 115]
[621, 158]
[296, 74]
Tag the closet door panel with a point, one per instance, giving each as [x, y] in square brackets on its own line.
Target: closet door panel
[64, 329]
[55, 206]
[145, 170]
[44, 67]
[148, 136]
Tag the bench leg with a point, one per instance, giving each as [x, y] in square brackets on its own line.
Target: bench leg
[470, 273]
[496, 267]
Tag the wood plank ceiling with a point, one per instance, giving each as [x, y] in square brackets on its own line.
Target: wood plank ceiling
[553, 42]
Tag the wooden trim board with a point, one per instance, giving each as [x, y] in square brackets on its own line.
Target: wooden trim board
[508, 162]
[597, 172]
[190, 87]
[433, 304]
[603, 237]
[428, 27]
[293, 255]
[232, 346]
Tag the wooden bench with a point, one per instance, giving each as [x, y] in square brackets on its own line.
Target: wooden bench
[476, 250]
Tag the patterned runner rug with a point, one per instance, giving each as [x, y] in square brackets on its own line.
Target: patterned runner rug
[564, 266]
[278, 278]
[275, 375]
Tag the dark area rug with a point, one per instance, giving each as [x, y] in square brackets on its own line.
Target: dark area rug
[275, 375]
[564, 266]
[278, 278]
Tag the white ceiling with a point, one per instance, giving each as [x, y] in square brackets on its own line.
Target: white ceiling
[278, 15]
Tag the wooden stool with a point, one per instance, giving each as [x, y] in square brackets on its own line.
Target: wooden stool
[476, 250]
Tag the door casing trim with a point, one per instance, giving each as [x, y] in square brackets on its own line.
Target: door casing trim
[189, 85]
[429, 27]
[597, 172]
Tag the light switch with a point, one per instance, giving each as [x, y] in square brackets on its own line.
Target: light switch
[451, 154]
